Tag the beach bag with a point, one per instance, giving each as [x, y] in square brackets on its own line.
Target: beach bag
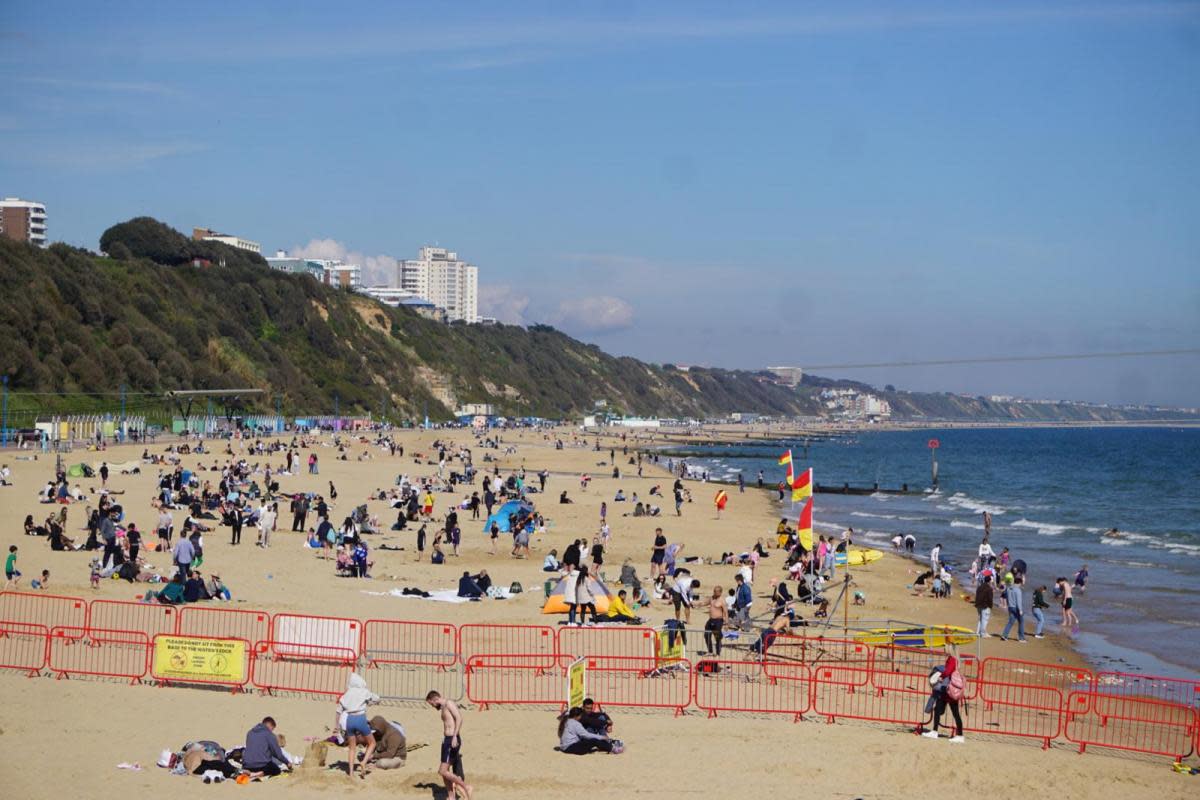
[957, 687]
[516, 588]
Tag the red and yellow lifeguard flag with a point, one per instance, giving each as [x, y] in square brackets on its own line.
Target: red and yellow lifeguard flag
[804, 526]
[802, 486]
[786, 458]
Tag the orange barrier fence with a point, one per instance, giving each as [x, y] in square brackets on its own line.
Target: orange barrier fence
[624, 642]
[23, 646]
[854, 692]
[228, 623]
[319, 670]
[49, 610]
[430, 644]
[514, 679]
[752, 686]
[307, 634]
[639, 682]
[100, 652]
[1013, 709]
[626, 666]
[148, 618]
[1135, 724]
[535, 642]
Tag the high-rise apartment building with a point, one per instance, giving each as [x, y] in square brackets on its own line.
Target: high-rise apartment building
[23, 220]
[439, 276]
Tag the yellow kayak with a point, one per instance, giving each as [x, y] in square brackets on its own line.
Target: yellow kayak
[928, 636]
[857, 557]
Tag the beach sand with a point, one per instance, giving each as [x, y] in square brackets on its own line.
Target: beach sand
[67, 736]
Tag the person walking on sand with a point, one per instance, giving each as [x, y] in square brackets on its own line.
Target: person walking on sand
[452, 721]
[984, 600]
[720, 500]
[1039, 607]
[948, 692]
[1016, 614]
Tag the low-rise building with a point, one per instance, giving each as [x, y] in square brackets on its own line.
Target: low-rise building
[23, 220]
[209, 235]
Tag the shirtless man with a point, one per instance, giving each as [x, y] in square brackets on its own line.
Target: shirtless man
[1068, 604]
[451, 743]
[718, 615]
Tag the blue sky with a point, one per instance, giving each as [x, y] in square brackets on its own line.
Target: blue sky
[727, 184]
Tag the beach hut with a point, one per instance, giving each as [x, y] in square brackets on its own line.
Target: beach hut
[519, 508]
[556, 605]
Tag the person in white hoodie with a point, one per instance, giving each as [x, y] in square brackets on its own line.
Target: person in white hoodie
[352, 720]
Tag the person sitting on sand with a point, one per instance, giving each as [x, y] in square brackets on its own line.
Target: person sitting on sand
[619, 610]
[468, 588]
[391, 743]
[171, 594]
[595, 720]
[577, 740]
[551, 563]
[262, 754]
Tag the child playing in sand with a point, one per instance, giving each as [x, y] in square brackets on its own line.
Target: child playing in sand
[42, 584]
[11, 574]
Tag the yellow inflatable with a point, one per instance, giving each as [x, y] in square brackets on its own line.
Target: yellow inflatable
[927, 636]
[858, 557]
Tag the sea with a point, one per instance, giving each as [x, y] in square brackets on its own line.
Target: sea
[1054, 495]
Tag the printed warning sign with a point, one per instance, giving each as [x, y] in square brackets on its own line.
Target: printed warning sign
[199, 659]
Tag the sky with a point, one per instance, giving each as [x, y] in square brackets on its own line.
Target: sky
[734, 185]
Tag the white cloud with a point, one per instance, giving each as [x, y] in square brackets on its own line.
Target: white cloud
[100, 155]
[596, 314]
[504, 303]
[379, 270]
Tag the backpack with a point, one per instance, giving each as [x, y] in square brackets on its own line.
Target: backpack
[957, 687]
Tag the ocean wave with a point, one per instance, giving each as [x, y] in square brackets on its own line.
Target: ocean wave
[962, 500]
[1044, 528]
[1116, 542]
[958, 523]
[872, 516]
[1178, 549]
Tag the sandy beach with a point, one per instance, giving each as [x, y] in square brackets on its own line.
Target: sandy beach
[508, 753]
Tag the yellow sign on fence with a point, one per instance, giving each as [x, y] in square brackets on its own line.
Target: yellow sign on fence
[670, 646]
[576, 683]
[196, 658]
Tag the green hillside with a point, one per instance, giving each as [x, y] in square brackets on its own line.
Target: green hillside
[74, 322]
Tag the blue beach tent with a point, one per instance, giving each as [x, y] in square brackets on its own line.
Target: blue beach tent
[501, 517]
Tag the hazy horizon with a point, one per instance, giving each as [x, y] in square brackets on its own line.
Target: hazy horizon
[735, 186]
